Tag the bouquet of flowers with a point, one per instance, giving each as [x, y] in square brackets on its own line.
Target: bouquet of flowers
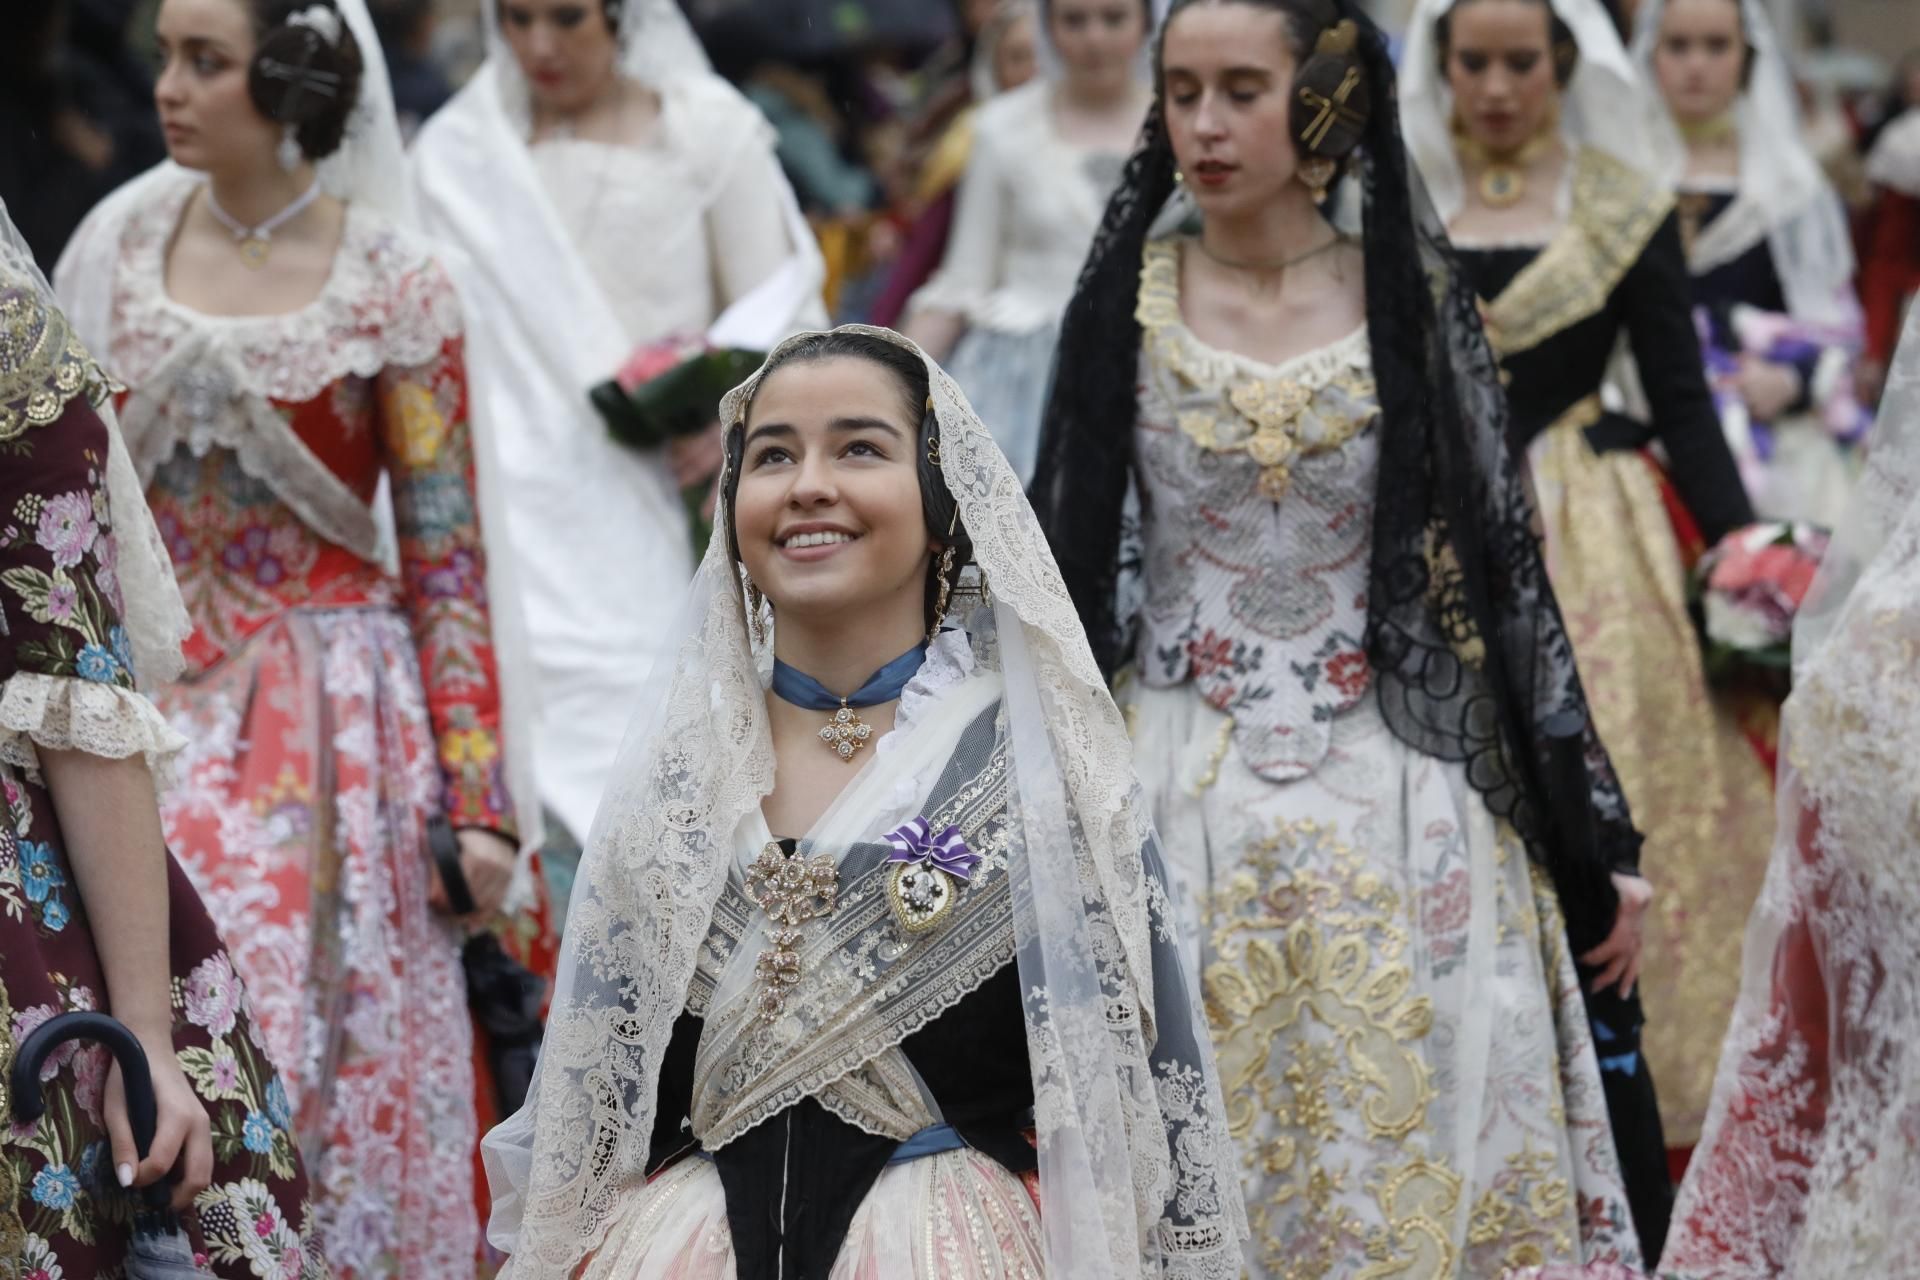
[668, 390]
[1744, 595]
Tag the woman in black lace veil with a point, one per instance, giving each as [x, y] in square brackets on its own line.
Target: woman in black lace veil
[1284, 633]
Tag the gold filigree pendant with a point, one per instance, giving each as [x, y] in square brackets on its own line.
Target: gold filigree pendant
[921, 895]
[792, 890]
[1502, 185]
[253, 253]
[846, 733]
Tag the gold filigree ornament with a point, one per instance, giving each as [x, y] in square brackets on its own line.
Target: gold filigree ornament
[792, 890]
[846, 732]
[1274, 408]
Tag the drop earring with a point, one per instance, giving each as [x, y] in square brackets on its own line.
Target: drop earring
[288, 152]
[756, 610]
[944, 596]
[1317, 174]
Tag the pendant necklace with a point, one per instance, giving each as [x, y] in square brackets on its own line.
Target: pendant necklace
[845, 732]
[1503, 174]
[256, 242]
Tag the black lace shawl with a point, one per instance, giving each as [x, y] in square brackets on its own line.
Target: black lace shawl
[1470, 655]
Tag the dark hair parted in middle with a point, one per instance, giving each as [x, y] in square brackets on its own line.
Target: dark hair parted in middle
[303, 76]
[1560, 42]
[937, 503]
[1331, 96]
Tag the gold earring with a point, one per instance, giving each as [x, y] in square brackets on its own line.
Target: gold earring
[1179, 178]
[1317, 174]
[756, 622]
[945, 595]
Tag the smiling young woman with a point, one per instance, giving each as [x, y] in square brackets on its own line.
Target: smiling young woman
[1337, 642]
[871, 966]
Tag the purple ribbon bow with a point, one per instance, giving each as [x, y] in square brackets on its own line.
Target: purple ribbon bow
[915, 842]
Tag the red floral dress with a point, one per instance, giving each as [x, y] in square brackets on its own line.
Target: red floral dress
[66, 682]
[332, 705]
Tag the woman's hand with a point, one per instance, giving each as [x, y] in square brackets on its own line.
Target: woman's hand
[695, 459]
[182, 1135]
[1768, 388]
[1618, 958]
[486, 860]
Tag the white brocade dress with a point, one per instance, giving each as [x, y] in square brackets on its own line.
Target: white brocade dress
[1407, 1063]
[1023, 218]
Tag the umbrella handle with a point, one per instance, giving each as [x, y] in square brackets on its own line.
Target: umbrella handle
[142, 1111]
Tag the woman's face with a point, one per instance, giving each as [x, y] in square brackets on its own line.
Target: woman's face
[1227, 78]
[1699, 57]
[827, 511]
[1016, 57]
[1098, 40]
[565, 49]
[207, 115]
[1500, 67]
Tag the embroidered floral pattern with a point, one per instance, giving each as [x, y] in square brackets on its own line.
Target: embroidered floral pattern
[1257, 525]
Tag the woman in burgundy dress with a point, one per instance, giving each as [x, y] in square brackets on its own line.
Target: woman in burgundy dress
[94, 913]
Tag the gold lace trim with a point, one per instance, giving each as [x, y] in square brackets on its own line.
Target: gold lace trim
[1276, 419]
[1616, 210]
[42, 364]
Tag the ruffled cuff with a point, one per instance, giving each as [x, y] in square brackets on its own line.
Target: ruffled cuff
[63, 713]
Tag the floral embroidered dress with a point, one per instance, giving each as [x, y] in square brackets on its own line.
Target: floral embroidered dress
[1408, 1067]
[331, 706]
[66, 683]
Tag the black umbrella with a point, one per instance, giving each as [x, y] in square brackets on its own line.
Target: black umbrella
[737, 31]
[159, 1249]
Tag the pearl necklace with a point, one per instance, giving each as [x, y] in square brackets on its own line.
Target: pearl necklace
[256, 242]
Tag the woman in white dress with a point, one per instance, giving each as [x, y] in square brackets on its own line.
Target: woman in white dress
[1045, 157]
[605, 190]
[1354, 707]
[1769, 247]
[1810, 1163]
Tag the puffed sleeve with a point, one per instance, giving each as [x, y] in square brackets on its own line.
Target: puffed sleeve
[971, 270]
[1666, 348]
[748, 237]
[66, 667]
[429, 449]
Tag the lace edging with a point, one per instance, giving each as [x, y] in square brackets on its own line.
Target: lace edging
[64, 713]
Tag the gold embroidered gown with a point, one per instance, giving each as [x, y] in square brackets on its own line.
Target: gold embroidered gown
[1616, 524]
[1409, 1073]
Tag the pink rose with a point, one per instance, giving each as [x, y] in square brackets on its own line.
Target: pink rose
[655, 358]
[213, 995]
[66, 529]
[90, 1068]
[27, 1021]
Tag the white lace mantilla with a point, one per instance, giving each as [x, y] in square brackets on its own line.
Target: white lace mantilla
[61, 713]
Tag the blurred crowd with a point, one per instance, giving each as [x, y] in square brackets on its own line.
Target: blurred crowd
[870, 100]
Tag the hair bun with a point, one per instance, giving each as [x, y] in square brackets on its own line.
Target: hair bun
[306, 73]
[1331, 98]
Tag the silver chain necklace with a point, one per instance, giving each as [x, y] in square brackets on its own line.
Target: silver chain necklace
[256, 242]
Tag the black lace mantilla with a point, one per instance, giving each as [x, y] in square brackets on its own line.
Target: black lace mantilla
[1470, 654]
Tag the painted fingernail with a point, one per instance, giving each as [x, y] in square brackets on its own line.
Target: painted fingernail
[125, 1173]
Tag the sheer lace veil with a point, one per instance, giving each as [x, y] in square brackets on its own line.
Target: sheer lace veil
[1783, 196]
[1470, 655]
[155, 617]
[1807, 1164]
[1136, 1166]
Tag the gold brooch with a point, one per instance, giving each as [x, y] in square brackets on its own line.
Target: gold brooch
[792, 890]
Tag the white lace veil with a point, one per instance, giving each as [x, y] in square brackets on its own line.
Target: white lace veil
[1137, 1169]
[1603, 106]
[155, 617]
[369, 171]
[1783, 195]
[1807, 1164]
